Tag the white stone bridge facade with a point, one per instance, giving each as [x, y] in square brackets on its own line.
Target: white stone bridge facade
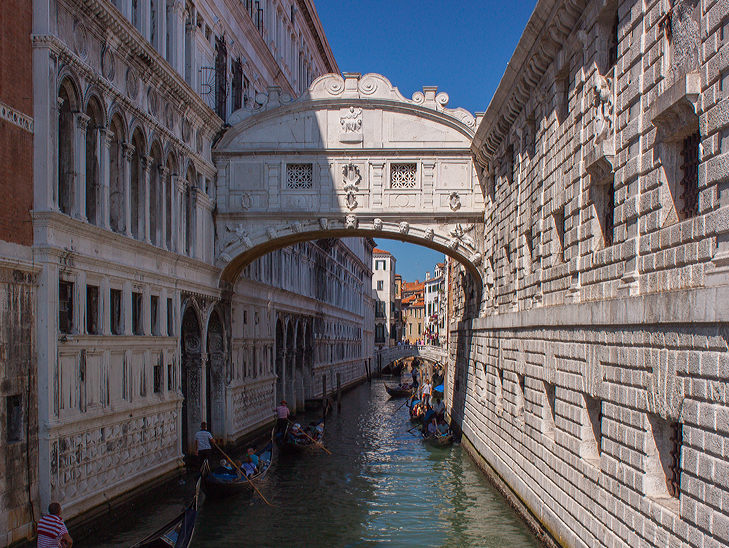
[388, 354]
[350, 157]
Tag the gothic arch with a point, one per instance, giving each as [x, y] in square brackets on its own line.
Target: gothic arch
[68, 80]
[95, 99]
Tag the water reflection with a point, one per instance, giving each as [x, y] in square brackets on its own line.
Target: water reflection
[380, 486]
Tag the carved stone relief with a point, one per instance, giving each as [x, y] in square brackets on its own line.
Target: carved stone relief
[351, 221]
[454, 201]
[132, 84]
[107, 63]
[377, 224]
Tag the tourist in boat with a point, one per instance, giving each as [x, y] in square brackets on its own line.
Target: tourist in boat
[203, 450]
[432, 429]
[443, 428]
[282, 417]
[252, 456]
[439, 408]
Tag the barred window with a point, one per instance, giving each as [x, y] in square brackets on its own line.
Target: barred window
[299, 175]
[402, 175]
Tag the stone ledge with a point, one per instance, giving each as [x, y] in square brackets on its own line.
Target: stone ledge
[674, 111]
[704, 305]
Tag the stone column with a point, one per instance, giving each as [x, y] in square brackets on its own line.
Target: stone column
[192, 222]
[104, 139]
[191, 37]
[160, 36]
[79, 183]
[128, 149]
[174, 214]
[145, 20]
[147, 167]
[176, 54]
[182, 187]
[162, 224]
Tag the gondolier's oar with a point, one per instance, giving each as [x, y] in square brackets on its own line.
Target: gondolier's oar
[241, 472]
[406, 401]
[312, 439]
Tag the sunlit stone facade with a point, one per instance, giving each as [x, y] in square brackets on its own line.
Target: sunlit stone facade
[595, 383]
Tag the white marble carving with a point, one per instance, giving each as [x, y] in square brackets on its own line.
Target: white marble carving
[377, 224]
[351, 221]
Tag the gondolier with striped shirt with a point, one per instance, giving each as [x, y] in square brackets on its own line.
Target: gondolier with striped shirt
[52, 532]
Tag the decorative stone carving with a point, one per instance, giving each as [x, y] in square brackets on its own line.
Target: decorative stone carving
[352, 177]
[324, 223]
[80, 40]
[685, 38]
[351, 201]
[199, 142]
[271, 232]
[107, 63]
[604, 106]
[404, 227]
[185, 130]
[377, 224]
[453, 244]
[454, 202]
[132, 84]
[296, 227]
[460, 233]
[351, 123]
[152, 102]
[429, 234]
[351, 222]
[225, 258]
[246, 201]
[674, 112]
[475, 259]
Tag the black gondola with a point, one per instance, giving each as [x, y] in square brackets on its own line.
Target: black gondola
[292, 441]
[225, 482]
[399, 391]
[178, 532]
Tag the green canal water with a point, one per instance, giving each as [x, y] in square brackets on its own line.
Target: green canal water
[381, 486]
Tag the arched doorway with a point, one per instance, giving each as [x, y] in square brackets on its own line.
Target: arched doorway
[215, 376]
[190, 377]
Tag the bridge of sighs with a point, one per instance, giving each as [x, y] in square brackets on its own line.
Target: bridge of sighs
[350, 157]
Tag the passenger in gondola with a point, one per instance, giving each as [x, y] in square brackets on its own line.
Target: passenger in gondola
[429, 414]
[439, 408]
[443, 428]
[252, 456]
[315, 430]
[432, 429]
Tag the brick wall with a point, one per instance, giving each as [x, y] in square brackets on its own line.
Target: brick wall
[16, 143]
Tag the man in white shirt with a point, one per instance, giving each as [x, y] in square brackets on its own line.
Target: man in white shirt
[202, 443]
[427, 390]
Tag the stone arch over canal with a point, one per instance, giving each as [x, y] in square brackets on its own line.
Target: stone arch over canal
[350, 157]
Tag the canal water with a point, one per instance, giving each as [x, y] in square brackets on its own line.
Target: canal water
[380, 486]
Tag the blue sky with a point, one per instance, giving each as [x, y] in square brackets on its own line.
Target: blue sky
[461, 47]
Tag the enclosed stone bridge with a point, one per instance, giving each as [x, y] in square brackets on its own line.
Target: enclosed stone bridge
[350, 157]
[389, 354]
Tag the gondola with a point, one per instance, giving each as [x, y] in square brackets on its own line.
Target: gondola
[438, 441]
[290, 442]
[223, 482]
[178, 532]
[398, 391]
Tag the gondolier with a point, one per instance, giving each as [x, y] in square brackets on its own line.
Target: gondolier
[282, 417]
[52, 532]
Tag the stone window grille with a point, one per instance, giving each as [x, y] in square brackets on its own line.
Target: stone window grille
[92, 310]
[65, 307]
[674, 467]
[299, 176]
[403, 175]
[690, 180]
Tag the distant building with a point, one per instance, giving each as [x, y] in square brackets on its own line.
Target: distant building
[383, 291]
[413, 311]
[434, 295]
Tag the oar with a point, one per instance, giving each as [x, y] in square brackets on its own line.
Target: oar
[398, 409]
[241, 472]
[312, 439]
[414, 427]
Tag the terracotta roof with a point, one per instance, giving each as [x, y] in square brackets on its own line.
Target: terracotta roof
[413, 286]
[380, 251]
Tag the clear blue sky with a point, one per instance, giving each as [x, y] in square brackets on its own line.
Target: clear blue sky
[461, 47]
